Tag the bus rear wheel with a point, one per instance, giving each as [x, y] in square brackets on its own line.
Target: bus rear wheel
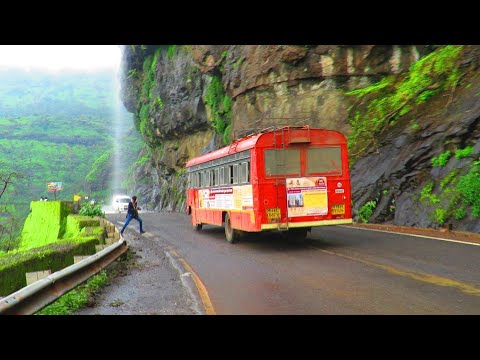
[197, 227]
[230, 233]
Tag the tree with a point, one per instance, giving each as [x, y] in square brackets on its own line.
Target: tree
[6, 179]
[8, 223]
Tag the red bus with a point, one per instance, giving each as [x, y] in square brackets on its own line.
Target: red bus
[287, 179]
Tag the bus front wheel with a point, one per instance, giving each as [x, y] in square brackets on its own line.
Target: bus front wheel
[197, 227]
[230, 233]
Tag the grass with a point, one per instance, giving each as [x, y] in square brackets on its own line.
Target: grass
[456, 197]
[77, 298]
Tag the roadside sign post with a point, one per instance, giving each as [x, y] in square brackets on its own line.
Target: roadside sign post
[54, 186]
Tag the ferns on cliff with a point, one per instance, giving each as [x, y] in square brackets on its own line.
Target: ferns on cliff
[383, 103]
[220, 105]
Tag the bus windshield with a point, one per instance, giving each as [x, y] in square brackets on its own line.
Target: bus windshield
[326, 160]
[282, 162]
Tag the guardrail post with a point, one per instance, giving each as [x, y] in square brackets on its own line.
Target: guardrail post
[36, 275]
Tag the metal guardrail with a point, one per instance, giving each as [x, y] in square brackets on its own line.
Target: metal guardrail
[36, 296]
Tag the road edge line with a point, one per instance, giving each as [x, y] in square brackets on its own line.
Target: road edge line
[414, 235]
[201, 289]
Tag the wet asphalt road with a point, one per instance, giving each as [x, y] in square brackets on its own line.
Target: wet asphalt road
[336, 270]
[146, 282]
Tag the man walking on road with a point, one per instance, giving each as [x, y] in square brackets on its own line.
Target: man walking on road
[132, 213]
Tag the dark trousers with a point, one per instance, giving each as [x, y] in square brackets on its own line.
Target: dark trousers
[129, 218]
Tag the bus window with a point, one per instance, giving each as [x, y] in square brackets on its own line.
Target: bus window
[215, 176]
[244, 173]
[230, 174]
[282, 162]
[235, 173]
[324, 160]
[222, 176]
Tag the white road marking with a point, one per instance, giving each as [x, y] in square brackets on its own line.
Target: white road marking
[415, 235]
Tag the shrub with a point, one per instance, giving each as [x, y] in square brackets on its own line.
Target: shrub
[88, 209]
[442, 159]
[366, 211]
[464, 153]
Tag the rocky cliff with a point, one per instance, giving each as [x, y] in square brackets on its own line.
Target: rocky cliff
[188, 100]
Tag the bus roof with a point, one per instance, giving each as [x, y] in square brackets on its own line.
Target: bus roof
[248, 142]
[238, 145]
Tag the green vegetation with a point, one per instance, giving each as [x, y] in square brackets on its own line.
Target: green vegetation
[366, 211]
[171, 51]
[98, 165]
[77, 298]
[158, 103]
[147, 96]
[88, 209]
[220, 105]
[146, 156]
[49, 240]
[464, 153]
[138, 154]
[451, 177]
[144, 119]
[227, 134]
[457, 196]
[238, 63]
[468, 189]
[442, 159]
[149, 81]
[56, 256]
[440, 216]
[460, 213]
[45, 224]
[382, 104]
[426, 193]
[132, 73]
[53, 127]
[181, 172]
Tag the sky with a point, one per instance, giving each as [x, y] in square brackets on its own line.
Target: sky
[60, 57]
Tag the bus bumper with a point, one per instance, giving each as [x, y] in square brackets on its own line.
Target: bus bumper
[291, 225]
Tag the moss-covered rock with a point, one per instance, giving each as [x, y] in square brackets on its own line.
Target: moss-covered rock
[45, 224]
[14, 265]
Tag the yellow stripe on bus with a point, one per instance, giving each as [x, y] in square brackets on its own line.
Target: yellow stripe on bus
[227, 210]
[307, 224]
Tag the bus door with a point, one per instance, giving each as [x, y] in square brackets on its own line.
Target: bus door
[195, 205]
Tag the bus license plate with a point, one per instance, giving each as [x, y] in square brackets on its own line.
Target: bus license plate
[338, 209]
[273, 213]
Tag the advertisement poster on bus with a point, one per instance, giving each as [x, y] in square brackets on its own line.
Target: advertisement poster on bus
[307, 196]
[231, 198]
